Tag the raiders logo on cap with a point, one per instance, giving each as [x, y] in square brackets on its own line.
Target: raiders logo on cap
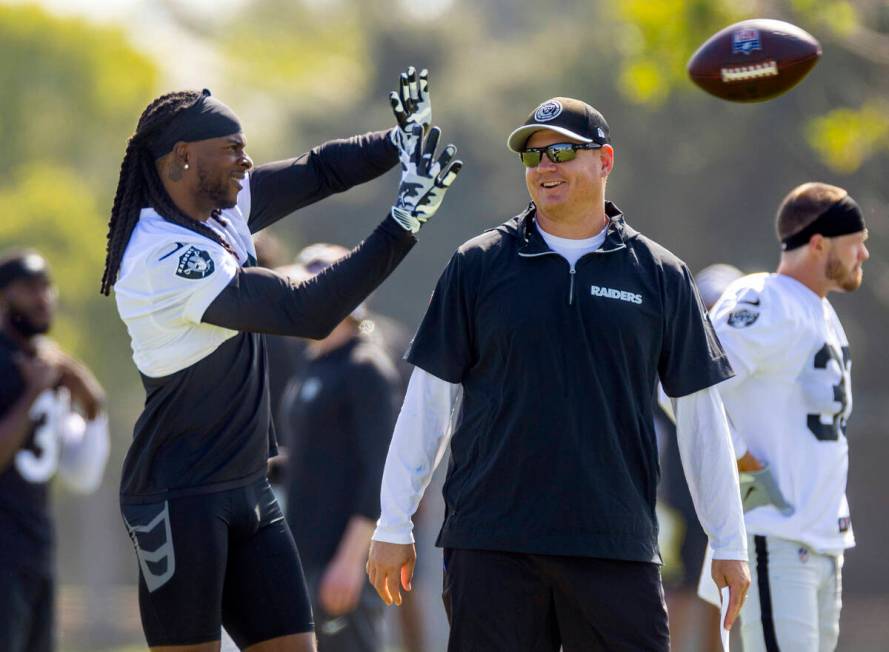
[548, 111]
[194, 264]
[564, 115]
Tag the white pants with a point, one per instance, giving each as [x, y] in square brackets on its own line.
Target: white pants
[794, 600]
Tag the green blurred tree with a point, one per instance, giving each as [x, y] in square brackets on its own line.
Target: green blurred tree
[657, 38]
[72, 92]
[298, 54]
[47, 207]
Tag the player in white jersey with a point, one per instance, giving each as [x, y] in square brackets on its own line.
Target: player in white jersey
[212, 545]
[788, 404]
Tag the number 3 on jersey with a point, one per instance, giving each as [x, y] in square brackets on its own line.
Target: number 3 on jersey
[831, 431]
[37, 463]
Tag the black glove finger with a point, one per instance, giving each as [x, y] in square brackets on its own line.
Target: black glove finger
[404, 86]
[398, 109]
[445, 157]
[429, 148]
[446, 177]
[417, 155]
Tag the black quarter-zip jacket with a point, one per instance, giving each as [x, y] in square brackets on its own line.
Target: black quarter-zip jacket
[555, 451]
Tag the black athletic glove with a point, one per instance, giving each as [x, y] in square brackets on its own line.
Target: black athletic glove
[411, 103]
[759, 488]
[424, 179]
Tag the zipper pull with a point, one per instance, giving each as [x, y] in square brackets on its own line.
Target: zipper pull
[571, 288]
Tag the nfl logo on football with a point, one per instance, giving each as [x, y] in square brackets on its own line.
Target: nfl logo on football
[745, 41]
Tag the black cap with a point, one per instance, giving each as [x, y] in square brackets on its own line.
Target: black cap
[18, 265]
[567, 116]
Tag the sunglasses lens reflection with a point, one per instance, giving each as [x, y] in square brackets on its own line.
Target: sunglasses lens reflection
[557, 153]
[530, 159]
[560, 153]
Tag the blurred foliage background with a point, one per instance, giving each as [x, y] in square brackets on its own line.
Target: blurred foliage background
[701, 176]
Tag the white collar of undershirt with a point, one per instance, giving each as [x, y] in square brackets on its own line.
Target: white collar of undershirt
[569, 248]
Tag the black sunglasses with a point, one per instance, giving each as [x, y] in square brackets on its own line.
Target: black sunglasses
[557, 153]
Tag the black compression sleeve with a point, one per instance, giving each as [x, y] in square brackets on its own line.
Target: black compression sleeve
[277, 189]
[261, 301]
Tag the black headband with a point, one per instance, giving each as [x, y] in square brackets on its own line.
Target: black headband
[206, 118]
[842, 218]
[27, 265]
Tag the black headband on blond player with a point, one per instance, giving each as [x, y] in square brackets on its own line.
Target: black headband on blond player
[205, 119]
[841, 218]
[23, 265]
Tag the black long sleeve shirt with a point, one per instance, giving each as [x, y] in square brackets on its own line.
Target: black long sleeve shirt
[196, 316]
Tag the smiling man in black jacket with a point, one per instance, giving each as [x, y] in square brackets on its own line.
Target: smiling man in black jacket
[538, 356]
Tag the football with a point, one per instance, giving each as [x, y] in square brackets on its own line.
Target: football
[754, 60]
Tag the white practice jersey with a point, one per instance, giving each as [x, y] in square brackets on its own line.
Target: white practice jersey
[168, 277]
[789, 403]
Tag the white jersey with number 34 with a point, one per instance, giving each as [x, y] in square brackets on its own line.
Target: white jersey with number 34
[789, 403]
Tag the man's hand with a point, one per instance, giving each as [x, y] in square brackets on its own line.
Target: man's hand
[277, 466]
[38, 372]
[77, 378]
[736, 576]
[340, 586]
[411, 103]
[424, 179]
[749, 463]
[387, 563]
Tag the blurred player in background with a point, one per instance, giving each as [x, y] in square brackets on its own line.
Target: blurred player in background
[211, 541]
[287, 358]
[694, 624]
[51, 423]
[338, 418]
[788, 404]
[287, 362]
[286, 354]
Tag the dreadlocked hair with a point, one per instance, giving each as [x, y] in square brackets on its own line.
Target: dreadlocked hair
[140, 186]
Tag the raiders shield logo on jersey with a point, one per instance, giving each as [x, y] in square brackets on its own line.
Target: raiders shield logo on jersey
[194, 264]
[742, 318]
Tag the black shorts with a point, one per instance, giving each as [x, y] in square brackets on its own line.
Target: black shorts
[26, 610]
[225, 558]
[512, 602]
